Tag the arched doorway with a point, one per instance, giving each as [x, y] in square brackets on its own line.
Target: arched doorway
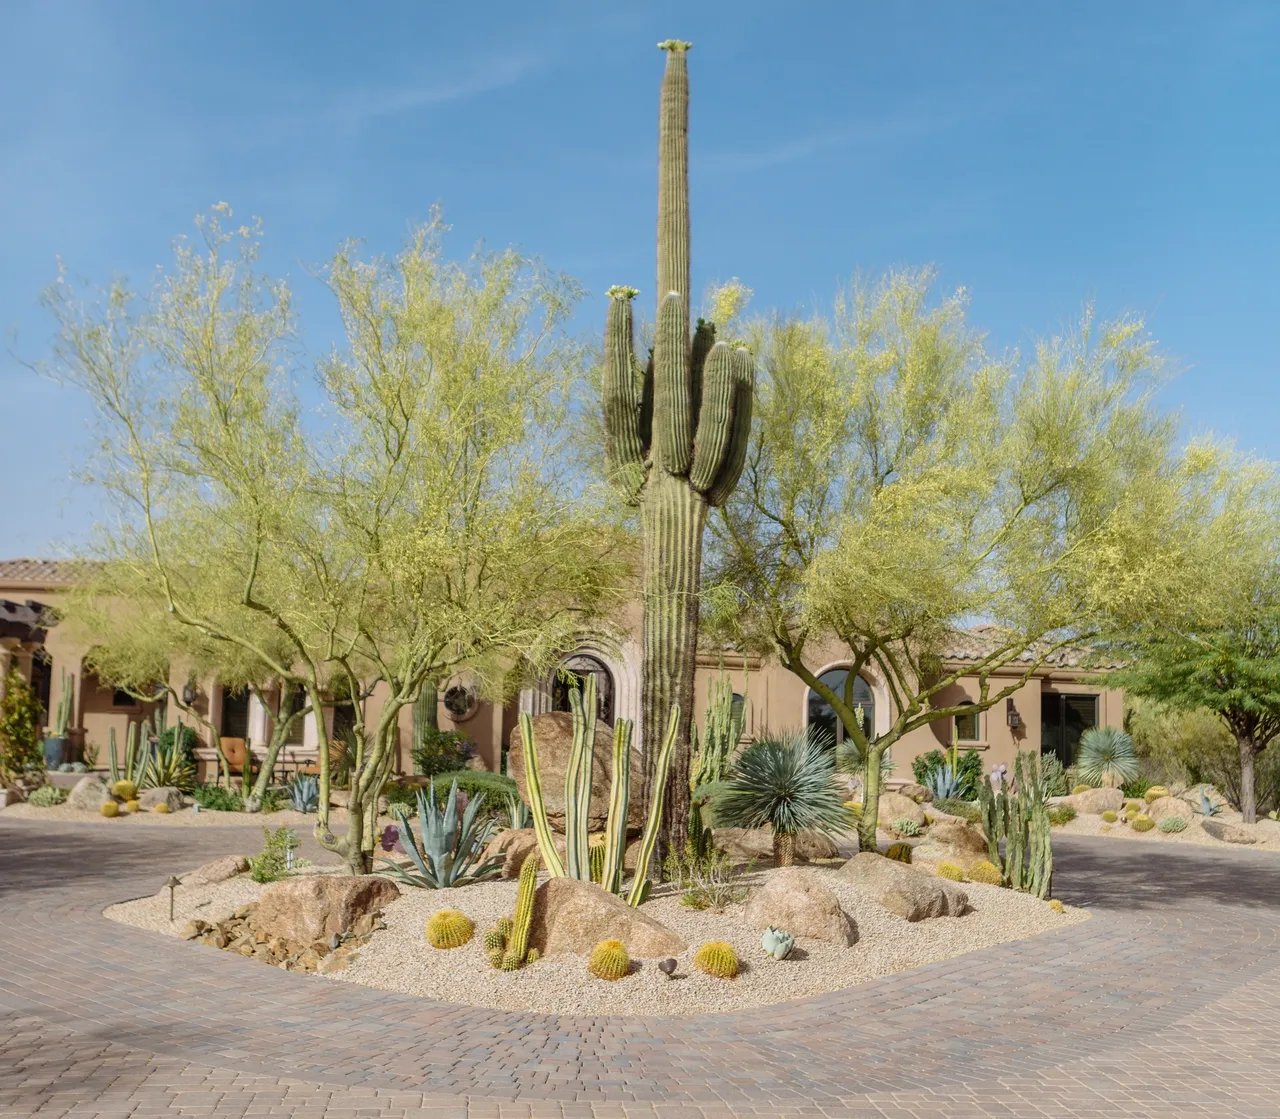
[854, 690]
[573, 673]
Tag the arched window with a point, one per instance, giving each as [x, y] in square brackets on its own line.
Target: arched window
[572, 674]
[854, 690]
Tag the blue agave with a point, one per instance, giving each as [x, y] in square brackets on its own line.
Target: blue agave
[304, 792]
[452, 843]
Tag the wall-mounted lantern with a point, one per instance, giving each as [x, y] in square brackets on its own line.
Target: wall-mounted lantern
[1011, 714]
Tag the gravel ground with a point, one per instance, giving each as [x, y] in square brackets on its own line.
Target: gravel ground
[1266, 830]
[399, 958]
[186, 818]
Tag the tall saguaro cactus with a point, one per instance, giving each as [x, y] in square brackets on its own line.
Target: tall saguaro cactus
[676, 439]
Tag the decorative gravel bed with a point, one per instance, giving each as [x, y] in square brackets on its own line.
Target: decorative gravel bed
[1266, 832]
[399, 958]
[187, 818]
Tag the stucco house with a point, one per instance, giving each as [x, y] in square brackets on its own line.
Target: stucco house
[1047, 713]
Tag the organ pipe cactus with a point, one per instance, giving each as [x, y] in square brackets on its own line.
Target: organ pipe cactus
[1019, 817]
[676, 431]
[137, 756]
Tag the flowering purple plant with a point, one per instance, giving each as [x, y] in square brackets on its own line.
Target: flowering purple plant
[390, 839]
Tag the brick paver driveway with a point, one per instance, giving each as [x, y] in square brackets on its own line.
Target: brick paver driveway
[1166, 1003]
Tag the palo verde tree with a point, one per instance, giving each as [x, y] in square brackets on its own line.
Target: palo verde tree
[1219, 651]
[901, 484]
[675, 434]
[423, 527]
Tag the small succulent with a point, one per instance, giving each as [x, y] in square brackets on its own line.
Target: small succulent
[109, 808]
[899, 852]
[47, 796]
[162, 808]
[1154, 793]
[1170, 824]
[131, 805]
[124, 790]
[1208, 806]
[1057, 906]
[777, 943]
[1060, 814]
[1143, 823]
[986, 873]
[609, 960]
[949, 871]
[449, 928]
[1080, 789]
[904, 826]
[1110, 817]
[718, 959]
[304, 792]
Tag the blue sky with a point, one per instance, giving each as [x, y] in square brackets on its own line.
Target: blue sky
[1038, 155]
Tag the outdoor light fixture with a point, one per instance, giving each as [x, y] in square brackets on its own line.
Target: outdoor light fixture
[189, 694]
[667, 966]
[1011, 713]
[173, 883]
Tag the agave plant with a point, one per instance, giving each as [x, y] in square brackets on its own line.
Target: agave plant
[1207, 806]
[518, 816]
[170, 764]
[786, 782]
[452, 843]
[304, 792]
[1106, 757]
[944, 783]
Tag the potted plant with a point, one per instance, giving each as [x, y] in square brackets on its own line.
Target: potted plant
[55, 743]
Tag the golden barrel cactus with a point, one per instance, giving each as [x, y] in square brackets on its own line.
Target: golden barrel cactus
[609, 960]
[986, 873]
[718, 959]
[449, 928]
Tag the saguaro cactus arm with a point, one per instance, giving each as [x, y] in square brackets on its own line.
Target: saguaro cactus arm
[672, 406]
[624, 397]
[735, 457]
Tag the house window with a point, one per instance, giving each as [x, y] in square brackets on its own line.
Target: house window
[572, 674]
[121, 698]
[1063, 719]
[235, 713]
[854, 691]
[969, 725]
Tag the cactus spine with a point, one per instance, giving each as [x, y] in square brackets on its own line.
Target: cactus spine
[517, 951]
[676, 440]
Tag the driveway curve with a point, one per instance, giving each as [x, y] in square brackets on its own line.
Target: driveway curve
[1167, 1002]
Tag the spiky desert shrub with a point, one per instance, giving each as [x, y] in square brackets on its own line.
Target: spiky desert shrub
[1107, 755]
[124, 790]
[1057, 906]
[1060, 814]
[904, 826]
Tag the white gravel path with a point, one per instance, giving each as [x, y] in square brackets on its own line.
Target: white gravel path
[399, 958]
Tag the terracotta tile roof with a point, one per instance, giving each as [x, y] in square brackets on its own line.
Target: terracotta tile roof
[981, 641]
[41, 571]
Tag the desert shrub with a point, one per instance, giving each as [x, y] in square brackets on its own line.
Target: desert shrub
[1172, 824]
[705, 881]
[968, 770]
[441, 751]
[214, 798]
[1060, 814]
[277, 855]
[1057, 906]
[962, 808]
[1053, 778]
[496, 787]
[21, 752]
[1136, 788]
[47, 796]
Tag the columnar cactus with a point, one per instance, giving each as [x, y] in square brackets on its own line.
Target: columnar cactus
[676, 439]
[517, 950]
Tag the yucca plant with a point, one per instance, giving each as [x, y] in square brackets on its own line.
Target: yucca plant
[170, 764]
[787, 783]
[1106, 757]
[452, 843]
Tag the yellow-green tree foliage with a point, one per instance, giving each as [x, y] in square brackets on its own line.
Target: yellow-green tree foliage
[902, 482]
[407, 520]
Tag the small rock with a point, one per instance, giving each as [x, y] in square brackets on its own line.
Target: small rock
[217, 871]
[570, 916]
[193, 929]
[167, 795]
[90, 794]
[317, 906]
[895, 806]
[904, 890]
[796, 901]
[1093, 802]
[1228, 833]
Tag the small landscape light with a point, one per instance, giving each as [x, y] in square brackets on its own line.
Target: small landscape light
[667, 966]
[173, 883]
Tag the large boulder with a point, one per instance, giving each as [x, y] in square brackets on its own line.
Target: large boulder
[745, 845]
[515, 845]
[951, 841]
[903, 889]
[796, 901]
[895, 806]
[89, 794]
[316, 906]
[572, 917]
[1093, 802]
[217, 871]
[1162, 807]
[165, 794]
[554, 735]
[921, 794]
[1228, 833]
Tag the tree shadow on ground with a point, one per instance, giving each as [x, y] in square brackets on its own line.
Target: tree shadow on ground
[1123, 875]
